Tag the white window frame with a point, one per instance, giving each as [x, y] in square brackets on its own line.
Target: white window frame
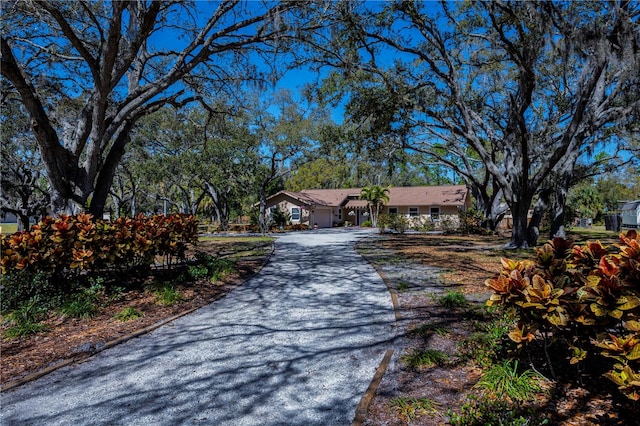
[299, 214]
[392, 210]
[434, 213]
[413, 212]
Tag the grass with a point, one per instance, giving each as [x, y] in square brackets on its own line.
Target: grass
[9, 228]
[211, 267]
[410, 408]
[504, 380]
[226, 240]
[128, 314]
[453, 299]
[25, 320]
[86, 303]
[425, 358]
[79, 307]
[495, 412]
[24, 329]
[426, 330]
[403, 285]
[167, 295]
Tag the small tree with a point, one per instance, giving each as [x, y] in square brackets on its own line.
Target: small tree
[376, 196]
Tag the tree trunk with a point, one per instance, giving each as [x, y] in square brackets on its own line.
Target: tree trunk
[557, 213]
[521, 236]
[117, 206]
[23, 221]
[262, 218]
[106, 174]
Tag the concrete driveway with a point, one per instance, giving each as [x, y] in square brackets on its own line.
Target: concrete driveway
[296, 345]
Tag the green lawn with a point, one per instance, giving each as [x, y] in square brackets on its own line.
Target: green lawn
[9, 228]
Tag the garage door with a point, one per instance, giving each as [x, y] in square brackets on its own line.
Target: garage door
[322, 218]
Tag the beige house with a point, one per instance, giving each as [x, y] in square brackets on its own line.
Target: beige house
[335, 207]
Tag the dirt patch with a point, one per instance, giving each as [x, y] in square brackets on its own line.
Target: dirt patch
[420, 270]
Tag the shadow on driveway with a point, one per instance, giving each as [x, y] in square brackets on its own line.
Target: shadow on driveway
[298, 344]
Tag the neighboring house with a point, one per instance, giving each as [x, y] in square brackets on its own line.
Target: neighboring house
[631, 214]
[334, 207]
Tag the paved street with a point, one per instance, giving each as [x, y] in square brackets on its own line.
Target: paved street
[296, 345]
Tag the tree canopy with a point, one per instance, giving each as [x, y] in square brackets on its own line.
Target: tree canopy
[108, 64]
[509, 94]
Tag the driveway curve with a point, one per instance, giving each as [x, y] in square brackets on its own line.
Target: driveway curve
[298, 344]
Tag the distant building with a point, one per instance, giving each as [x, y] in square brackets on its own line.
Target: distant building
[631, 214]
[334, 207]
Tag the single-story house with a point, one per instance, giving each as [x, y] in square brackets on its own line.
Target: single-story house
[335, 207]
[631, 214]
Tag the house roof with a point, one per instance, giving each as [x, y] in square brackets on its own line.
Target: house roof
[631, 205]
[446, 195]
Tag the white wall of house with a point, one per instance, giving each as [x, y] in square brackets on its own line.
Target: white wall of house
[434, 213]
[631, 217]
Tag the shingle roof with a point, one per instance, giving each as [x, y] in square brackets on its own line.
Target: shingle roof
[331, 197]
[631, 205]
[446, 195]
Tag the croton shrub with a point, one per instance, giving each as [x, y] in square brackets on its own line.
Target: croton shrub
[585, 298]
[79, 243]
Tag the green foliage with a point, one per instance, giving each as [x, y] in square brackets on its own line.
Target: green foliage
[425, 358]
[86, 303]
[24, 329]
[127, 314]
[495, 412]
[471, 221]
[423, 224]
[21, 286]
[410, 408]
[25, 320]
[396, 222]
[317, 174]
[453, 299]
[197, 271]
[376, 196]
[448, 224]
[426, 330]
[367, 224]
[584, 201]
[572, 298]
[167, 295]
[504, 380]
[280, 218]
[211, 267]
[490, 342]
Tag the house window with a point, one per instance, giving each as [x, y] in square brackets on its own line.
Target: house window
[339, 214]
[413, 212]
[435, 213]
[295, 214]
[393, 210]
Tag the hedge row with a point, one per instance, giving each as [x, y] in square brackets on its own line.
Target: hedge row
[81, 243]
[584, 301]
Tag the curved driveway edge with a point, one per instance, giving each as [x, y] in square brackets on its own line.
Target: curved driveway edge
[297, 344]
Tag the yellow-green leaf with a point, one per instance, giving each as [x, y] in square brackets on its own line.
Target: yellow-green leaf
[632, 325]
[628, 303]
[598, 310]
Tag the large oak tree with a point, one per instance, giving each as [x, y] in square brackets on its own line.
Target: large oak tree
[525, 88]
[107, 64]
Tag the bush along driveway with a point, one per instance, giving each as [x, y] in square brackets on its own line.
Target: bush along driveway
[297, 344]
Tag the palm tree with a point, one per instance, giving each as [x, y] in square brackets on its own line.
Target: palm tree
[376, 197]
